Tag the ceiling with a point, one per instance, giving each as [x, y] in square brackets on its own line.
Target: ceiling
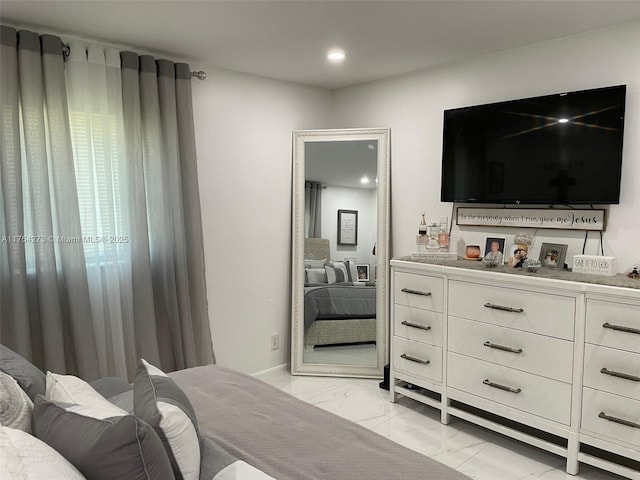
[288, 40]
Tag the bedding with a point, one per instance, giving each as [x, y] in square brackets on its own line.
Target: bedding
[289, 439]
[339, 301]
[248, 430]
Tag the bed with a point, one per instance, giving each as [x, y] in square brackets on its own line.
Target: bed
[246, 430]
[338, 308]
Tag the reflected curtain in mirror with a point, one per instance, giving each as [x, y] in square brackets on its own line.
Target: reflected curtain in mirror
[312, 209]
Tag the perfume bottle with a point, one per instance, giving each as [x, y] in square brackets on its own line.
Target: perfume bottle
[422, 228]
[432, 242]
[443, 234]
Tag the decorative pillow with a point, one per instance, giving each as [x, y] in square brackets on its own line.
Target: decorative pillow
[15, 404]
[29, 377]
[336, 272]
[159, 401]
[117, 447]
[352, 271]
[316, 275]
[74, 390]
[24, 457]
[312, 263]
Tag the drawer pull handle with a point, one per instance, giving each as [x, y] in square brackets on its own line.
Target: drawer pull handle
[501, 387]
[415, 325]
[502, 347]
[626, 376]
[621, 421]
[414, 359]
[506, 309]
[620, 328]
[416, 292]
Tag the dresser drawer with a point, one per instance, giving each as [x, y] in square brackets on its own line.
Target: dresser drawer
[420, 291]
[613, 324]
[537, 354]
[417, 359]
[547, 314]
[616, 410]
[611, 370]
[529, 393]
[417, 324]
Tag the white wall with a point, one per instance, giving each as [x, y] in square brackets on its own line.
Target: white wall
[244, 128]
[412, 105]
[243, 134]
[362, 200]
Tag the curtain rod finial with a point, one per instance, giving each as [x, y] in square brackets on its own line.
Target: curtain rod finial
[199, 75]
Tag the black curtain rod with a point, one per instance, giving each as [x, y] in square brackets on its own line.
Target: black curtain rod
[200, 75]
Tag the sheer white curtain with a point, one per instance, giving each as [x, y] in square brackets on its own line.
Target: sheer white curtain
[94, 91]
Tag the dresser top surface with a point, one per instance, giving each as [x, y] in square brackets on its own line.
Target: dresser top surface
[619, 280]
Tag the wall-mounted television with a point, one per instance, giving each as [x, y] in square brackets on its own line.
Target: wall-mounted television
[554, 149]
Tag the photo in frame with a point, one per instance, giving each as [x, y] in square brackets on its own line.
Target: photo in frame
[347, 227]
[363, 272]
[517, 255]
[553, 255]
[494, 250]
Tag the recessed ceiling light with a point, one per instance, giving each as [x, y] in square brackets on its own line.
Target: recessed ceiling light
[336, 56]
[563, 120]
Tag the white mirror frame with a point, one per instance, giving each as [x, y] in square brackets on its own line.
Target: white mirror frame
[298, 366]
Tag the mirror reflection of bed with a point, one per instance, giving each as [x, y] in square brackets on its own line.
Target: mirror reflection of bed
[339, 310]
[340, 252]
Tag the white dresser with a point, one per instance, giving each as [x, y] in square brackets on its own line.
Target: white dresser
[552, 362]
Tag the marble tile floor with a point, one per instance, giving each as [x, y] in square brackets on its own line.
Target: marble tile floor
[477, 452]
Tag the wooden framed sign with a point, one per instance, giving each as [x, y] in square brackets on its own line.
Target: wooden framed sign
[565, 219]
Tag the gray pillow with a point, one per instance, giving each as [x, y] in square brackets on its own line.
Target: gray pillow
[15, 405]
[30, 378]
[159, 401]
[122, 447]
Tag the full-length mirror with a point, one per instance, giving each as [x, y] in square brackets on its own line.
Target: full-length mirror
[340, 257]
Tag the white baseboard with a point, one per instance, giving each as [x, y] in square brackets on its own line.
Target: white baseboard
[269, 371]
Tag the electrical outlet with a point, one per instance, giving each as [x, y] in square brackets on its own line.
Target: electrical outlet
[275, 341]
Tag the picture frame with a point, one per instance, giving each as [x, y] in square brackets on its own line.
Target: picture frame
[363, 272]
[517, 255]
[348, 227]
[495, 256]
[552, 255]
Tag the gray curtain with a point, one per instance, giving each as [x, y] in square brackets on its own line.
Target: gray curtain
[44, 300]
[313, 209]
[167, 240]
[48, 310]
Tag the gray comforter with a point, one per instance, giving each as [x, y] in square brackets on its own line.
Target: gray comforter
[338, 301]
[291, 440]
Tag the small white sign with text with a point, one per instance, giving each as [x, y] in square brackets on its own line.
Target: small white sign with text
[566, 219]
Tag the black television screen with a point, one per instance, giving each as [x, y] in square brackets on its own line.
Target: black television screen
[555, 149]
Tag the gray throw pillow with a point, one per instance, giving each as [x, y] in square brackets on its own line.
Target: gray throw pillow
[113, 448]
[30, 378]
[159, 401]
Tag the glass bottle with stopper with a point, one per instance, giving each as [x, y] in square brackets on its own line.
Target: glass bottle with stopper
[443, 234]
[432, 242]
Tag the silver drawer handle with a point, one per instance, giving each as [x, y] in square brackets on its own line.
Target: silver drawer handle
[505, 309]
[621, 421]
[620, 328]
[416, 292]
[502, 347]
[414, 359]
[501, 387]
[626, 376]
[415, 325]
